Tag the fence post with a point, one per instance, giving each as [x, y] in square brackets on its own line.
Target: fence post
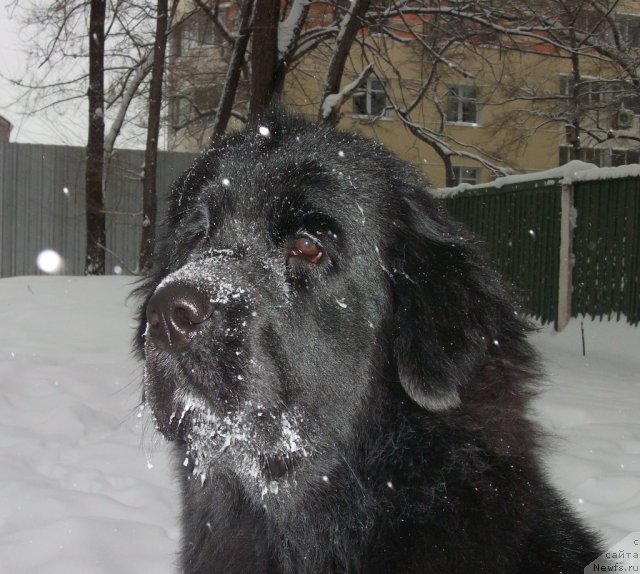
[565, 275]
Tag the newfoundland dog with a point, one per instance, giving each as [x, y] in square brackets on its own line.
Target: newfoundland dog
[344, 379]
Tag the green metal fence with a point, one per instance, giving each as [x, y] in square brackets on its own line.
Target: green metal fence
[521, 225]
[606, 248]
[521, 228]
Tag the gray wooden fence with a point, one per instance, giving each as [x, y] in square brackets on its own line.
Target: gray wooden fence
[42, 205]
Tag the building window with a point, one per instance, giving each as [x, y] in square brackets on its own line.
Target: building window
[196, 105]
[596, 156]
[187, 34]
[462, 105]
[601, 94]
[631, 156]
[602, 157]
[631, 100]
[465, 175]
[195, 31]
[629, 27]
[180, 112]
[371, 99]
[377, 28]
[591, 91]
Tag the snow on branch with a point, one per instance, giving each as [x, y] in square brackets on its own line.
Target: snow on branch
[212, 14]
[439, 142]
[289, 28]
[309, 39]
[332, 102]
[130, 90]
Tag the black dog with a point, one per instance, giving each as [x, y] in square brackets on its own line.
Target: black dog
[344, 379]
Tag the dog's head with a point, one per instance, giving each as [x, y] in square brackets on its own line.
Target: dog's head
[301, 275]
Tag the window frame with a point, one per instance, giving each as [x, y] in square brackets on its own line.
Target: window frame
[456, 95]
[458, 177]
[367, 91]
[629, 27]
[602, 157]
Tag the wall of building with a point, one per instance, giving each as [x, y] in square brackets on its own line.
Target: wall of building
[523, 134]
[5, 129]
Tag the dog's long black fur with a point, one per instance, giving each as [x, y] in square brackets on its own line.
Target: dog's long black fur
[344, 378]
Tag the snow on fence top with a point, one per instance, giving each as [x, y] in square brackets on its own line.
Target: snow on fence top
[565, 175]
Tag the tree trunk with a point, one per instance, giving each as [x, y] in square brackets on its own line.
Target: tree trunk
[352, 22]
[264, 56]
[448, 168]
[149, 195]
[95, 215]
[576, 134]
[233, 74]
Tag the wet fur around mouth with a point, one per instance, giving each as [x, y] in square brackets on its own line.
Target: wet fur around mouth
[344, 378]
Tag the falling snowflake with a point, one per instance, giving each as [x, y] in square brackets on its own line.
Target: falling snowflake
[49, 261]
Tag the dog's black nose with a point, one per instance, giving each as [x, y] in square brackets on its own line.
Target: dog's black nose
[175, 314]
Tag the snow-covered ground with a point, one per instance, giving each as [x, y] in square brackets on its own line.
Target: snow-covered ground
[591, 404]
[84, 488]
[76, 493]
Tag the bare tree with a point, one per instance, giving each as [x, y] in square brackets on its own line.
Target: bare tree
[58, 73]
[234, 70]
[264, 60]
[149, 193]
[109, 77]
[352, 21]
[267, 44]
[596, 93]
[95, 216]
[441, 34]
[231, 60]
[603, 99]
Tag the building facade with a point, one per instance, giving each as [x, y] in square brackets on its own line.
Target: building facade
[517, 109]
[5, 129]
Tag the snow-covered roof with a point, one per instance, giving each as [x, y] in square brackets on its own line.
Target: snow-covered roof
[565, 174]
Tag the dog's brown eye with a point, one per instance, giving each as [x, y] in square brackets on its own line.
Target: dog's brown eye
[307, 248]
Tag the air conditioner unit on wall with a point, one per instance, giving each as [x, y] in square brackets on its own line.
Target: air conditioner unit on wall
[622, 119]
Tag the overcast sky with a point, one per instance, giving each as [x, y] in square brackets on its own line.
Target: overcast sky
[67, 128]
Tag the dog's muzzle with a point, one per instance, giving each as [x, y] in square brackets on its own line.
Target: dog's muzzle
[176, 313]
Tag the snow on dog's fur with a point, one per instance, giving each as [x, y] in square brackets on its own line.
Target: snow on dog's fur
[344, 378]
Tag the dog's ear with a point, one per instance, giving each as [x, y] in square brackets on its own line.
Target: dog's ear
[452, 312]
